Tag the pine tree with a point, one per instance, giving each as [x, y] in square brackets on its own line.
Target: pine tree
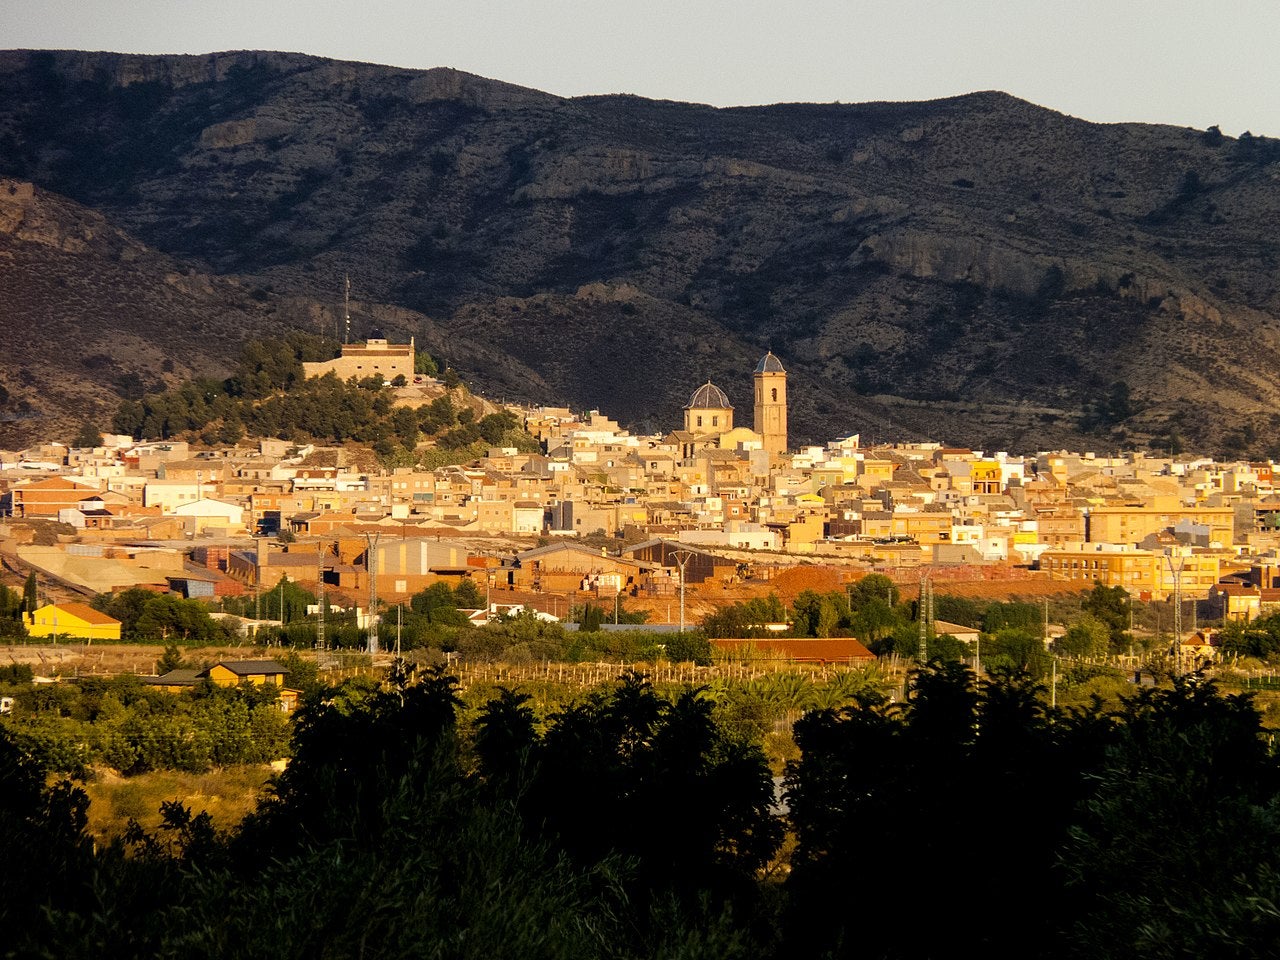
[30, 594]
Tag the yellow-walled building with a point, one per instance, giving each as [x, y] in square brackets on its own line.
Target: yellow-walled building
[1140, 572]
[73, 621]
[371, 358]
[1132, 524]
[229, 673]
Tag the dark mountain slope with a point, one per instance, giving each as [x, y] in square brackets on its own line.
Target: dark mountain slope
[89, 316]
[998, 262]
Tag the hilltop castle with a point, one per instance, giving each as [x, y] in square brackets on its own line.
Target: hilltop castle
[375, 357]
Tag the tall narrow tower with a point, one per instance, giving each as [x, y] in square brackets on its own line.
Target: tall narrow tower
[771, 403]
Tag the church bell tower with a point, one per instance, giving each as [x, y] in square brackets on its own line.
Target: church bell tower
[771, 403]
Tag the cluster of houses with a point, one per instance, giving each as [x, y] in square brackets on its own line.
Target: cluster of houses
[698, 504]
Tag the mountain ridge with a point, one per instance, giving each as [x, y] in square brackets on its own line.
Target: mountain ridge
[975, 249]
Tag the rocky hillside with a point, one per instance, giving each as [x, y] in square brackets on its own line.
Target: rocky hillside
[976, 269]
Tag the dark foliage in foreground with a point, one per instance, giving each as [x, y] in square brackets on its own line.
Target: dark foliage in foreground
[969, 820]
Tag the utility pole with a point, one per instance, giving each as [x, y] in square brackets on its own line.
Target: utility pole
[1177, 611]
[682, 557]
[371, 559]
[923, 614]
[320, 596]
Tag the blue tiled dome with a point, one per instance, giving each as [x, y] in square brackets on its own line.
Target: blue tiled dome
[708, 397]
[769, 364]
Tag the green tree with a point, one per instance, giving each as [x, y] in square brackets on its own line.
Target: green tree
[590, 617]
[874, 620]
[172, 660]
[695, 801]
[1191, 792]
[12, 624]
[87, 436]
[287, 601]
[961, 610]
[30, 594]
[1019, 650]
[425, 364]
[819, 615]
[688, 648]
[1110, 605]
[1088, 638]
[1259, 638]
[745, 619]
[43, 844]
[1024, 616]
[467, 595]
[945, 756]
[873, 587]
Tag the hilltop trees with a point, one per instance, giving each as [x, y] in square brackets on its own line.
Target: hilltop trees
[268, 396]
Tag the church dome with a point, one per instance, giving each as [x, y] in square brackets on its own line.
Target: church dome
[708, 397]
[769, 364]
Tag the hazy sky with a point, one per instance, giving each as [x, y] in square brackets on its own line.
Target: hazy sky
[1184, 62]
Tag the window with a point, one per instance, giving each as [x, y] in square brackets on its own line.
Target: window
[773, 394]
[699, 421]
[715, 421]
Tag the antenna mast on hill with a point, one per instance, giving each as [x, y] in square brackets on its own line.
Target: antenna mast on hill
[346, 310]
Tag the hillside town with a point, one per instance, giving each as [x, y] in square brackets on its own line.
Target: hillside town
[604, 515]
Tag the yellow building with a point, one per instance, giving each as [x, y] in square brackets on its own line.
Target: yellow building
[985, 477]
[708, 412]
[1132, 524]
[77, 621]
[1143, 573]
[228, 673]
[805, 530]
[874, 472]
[770, 388]
[231, 673]
[373, 358]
